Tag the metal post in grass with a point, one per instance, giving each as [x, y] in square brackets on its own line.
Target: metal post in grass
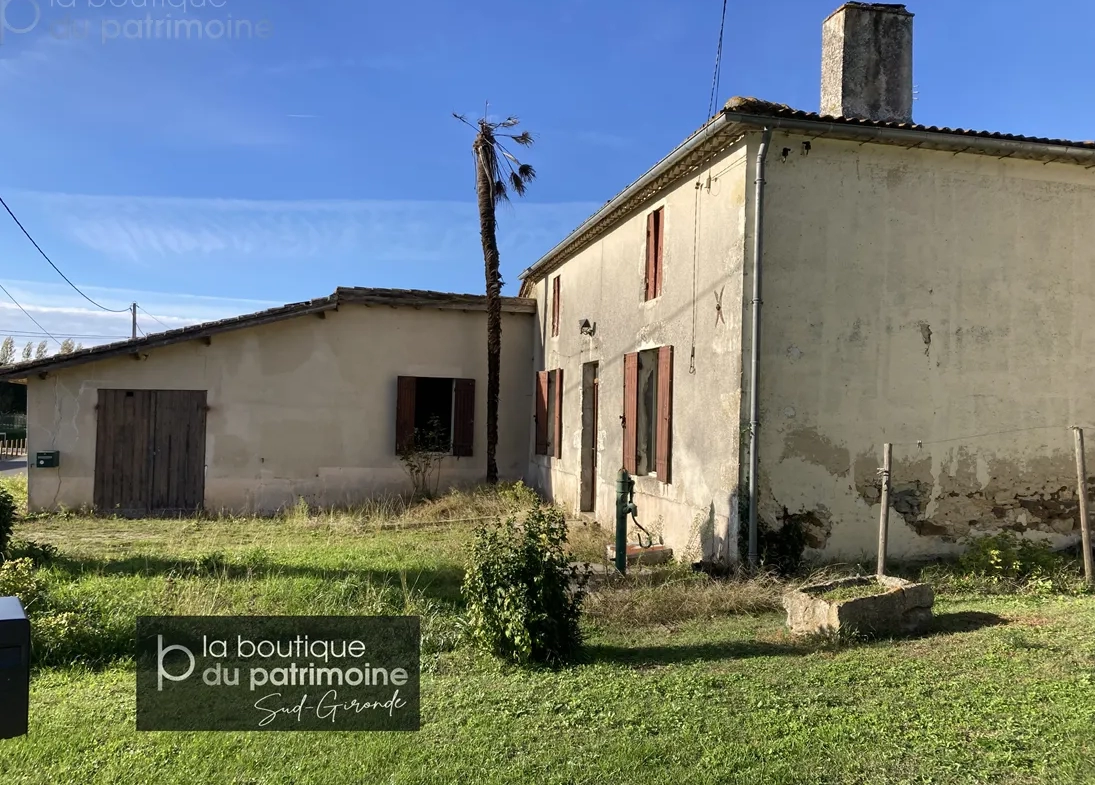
[1081, 497]
[884, 516]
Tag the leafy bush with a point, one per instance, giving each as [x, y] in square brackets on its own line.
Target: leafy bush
[18, 578]
[41, 553]
[518, 496]
[1006, 555]
[524, 597]
[8, 513]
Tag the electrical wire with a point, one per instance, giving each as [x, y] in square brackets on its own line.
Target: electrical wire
[18, 334]
[153, 318]
[24, 310]
[921, 443]
[717, 77]
[51, 264]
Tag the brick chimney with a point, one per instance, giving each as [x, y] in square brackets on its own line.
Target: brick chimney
[866, 62]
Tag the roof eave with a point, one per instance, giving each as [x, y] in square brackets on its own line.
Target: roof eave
[729, 125]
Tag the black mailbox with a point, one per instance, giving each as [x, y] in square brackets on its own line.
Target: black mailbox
[14, 668]
[47, 460]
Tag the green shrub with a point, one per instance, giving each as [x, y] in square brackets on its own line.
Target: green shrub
[1006, 555]
[41, 553]
[8, 514]
[524, 597]
[518, 496]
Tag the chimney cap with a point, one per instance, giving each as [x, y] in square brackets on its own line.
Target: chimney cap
[886, 8]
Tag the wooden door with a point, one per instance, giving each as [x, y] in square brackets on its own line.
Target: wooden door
[150, 452]
[589, 438]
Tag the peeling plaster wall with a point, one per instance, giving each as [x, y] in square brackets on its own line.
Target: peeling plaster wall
[912, 295]
[303, 407]
[703, 257]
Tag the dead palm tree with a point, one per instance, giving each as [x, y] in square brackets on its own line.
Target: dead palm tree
[497, 173]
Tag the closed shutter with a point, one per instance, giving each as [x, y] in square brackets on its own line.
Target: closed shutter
[541, 413]
[463, 418]
[665, 412]
[651, 258]
[555, 307]
[404, 414]
[631, 411]
[558, 424]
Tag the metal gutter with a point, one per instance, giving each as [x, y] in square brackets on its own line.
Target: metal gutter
[754, 349]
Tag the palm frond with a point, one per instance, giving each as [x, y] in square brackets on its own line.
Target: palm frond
[500, 193]
[524, 138]
[517, 183]
[526, 172]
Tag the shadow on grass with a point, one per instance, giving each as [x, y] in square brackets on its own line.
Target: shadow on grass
[652, 656]
[439, 584]
[639, 656]
[961, 621]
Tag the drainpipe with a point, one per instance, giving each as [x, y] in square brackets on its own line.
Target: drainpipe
[754, 349]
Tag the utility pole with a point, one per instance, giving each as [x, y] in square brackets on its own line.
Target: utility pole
[133, 310]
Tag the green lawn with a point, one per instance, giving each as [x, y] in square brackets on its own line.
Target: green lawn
[1002, 691]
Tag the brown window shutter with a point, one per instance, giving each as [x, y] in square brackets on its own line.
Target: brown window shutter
[659, 245]
[555, 307]
[651, 258]
[558, 425]
[665, 412]
[404, 414]
[463, 418]
[631, 411]
[541, 413]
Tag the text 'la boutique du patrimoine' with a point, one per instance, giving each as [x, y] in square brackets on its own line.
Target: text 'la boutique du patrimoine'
[294, 675]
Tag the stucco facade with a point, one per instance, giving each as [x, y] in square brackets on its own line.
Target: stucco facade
[298, 408]
[698, 310]
[915, 296]
[940, 302]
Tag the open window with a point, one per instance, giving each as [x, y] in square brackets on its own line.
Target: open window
[549, 413]
[435, 415]
[648, 412]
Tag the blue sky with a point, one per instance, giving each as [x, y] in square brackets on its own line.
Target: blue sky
[214, 177]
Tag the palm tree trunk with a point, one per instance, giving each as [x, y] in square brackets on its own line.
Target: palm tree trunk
[487, 228]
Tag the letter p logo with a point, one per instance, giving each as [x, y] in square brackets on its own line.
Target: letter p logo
[18, 16]
[162, 674]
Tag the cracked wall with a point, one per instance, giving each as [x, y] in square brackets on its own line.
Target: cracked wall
[916, 310]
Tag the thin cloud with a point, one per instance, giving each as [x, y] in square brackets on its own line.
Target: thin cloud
[62, 313]
[145, 230]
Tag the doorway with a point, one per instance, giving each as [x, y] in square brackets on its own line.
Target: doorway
[150, 452]
[589, 437]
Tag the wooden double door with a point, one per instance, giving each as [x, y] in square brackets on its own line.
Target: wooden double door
[150, 452]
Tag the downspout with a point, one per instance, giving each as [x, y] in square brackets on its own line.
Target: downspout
[754, 349]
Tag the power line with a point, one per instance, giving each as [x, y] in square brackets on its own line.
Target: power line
[24, 310]
[51, 264]
[32, 334]
[717, 76]
[153, 318]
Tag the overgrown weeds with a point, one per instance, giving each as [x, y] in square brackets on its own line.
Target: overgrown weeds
[672, 595]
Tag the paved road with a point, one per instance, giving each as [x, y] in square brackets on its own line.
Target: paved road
[10, 468]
